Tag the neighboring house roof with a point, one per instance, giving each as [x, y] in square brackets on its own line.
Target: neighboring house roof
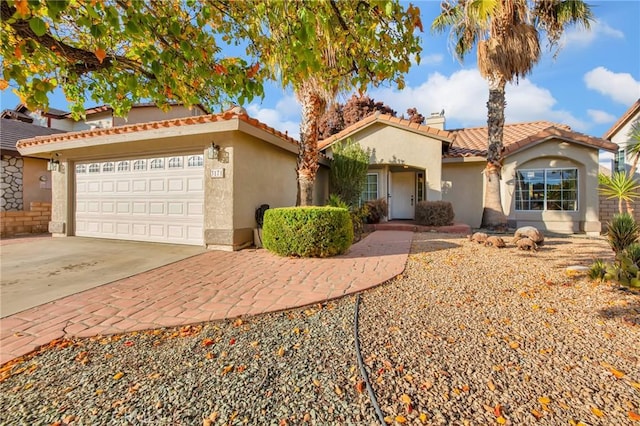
[58, 113]
[16, 115]
[11, 131]
[432, 132]
[626, 117]
[472, 142]
[154, 125]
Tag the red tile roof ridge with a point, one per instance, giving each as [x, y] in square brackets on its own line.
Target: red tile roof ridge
[377, 116]
[173, 122]
[517, 124]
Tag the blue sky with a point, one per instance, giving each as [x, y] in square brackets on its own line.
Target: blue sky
[592, 82]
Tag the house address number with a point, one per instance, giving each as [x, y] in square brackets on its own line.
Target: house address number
[217, 173]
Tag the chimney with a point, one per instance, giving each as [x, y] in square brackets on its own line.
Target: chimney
[436, 120]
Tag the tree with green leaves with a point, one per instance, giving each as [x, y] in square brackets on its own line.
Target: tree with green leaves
[119, 53]
[507, 35]
[633, 146]
[321, 48]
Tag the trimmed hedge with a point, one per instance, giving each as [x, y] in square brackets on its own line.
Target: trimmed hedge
[434, 213]
[307, 231]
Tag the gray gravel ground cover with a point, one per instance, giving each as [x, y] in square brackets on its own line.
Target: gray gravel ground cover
[467, 335]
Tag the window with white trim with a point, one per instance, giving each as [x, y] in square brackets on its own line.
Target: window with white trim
[81, 168]
[140, 165]
[108, 167]
[370, 191]
[157, 163]
[123, 166]
[620, 161]
[547, 189]
[195, 161]
[175, 162]
[94, 168]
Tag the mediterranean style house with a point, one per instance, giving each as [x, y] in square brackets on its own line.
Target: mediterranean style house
[199, 179]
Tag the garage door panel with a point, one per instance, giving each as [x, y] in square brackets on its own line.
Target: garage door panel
[142, 199]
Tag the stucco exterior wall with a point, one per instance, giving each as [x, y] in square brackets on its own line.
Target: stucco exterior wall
[36, 181]
[556, 154]
[263, 174]
[463, 187]
[394, 146]
[621, 137]
[62, 199]
[152, 113]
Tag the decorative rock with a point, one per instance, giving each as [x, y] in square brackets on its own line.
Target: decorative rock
[494, 241]
[530, 232]
[526, 243]
[478, 237]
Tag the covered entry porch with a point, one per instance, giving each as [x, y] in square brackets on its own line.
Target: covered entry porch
[402, 186]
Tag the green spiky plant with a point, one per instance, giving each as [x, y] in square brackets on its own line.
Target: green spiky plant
[622, 231]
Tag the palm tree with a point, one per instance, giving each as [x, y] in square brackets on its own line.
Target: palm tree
[621, 186]
[507, 34]
[633, 148]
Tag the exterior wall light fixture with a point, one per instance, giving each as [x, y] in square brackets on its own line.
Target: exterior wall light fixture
[53, 165]
[213, 151]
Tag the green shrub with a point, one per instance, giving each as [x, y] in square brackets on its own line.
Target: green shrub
[335, 201]
[359, 218]
[376, 210]
[348, 172]
[632, 252]
[434, 213]
[597, 270]
[307, 231]
[622, 231]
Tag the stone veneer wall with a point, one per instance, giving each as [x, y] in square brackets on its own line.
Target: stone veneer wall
[35, 221]
[11, 183]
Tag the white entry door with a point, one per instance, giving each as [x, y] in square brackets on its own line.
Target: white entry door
[403, 186]
[158, 199]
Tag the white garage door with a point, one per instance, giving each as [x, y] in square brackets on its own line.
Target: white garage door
[158, 199]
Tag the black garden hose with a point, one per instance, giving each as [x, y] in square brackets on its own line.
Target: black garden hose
[363, 371]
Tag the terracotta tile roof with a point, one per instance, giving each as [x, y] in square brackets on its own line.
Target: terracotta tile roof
[138, 127]
[472, 142]
[442, 135]
[628, 115]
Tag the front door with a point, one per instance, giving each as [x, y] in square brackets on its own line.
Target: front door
[403, 195]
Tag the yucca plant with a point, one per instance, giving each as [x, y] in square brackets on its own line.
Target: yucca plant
[622, 231]
[632, 252]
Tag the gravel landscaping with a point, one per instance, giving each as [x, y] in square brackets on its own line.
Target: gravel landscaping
[467, 335]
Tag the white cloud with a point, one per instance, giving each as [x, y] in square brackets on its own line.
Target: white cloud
[621, 87]
[463, 95]
[581, 37]
[601, 117]
[433, 59]
[284, 117]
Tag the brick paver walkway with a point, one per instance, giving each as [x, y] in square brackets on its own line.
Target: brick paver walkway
[211, 286]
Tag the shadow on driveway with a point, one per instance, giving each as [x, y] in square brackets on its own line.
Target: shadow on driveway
[41, 270]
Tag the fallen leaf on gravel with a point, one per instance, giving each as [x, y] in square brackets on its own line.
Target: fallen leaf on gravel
[537, 414]
[408, 378]
[617, 373]
[426, 385]
[128, 343]
[388, 420]
[501, 420]
[635, 385]
[232, 341]
[563, 405]
[406, 399]
[316, 382]
[551, 311]
[337, 390]
[238, 322]
[546, 351]
[401, 419]
[99, 391]
[207, 342]
[306, 418]
[423, 417]
[281, 351]
[544, 400]
[227, 369]
[118, 376]
[597, 412]
[634, 416]
[254, 343]
[209, 355]
[241, 368]
[491, 386]
[360, 386]
[497, 410]
[83, 357]
[465, 388]
[514, 345]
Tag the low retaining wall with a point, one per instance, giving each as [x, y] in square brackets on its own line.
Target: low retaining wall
[34, 221]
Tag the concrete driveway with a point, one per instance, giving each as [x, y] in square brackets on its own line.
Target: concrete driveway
[37, 271]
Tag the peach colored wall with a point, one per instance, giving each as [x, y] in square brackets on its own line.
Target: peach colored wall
[152, 113]
[463, 187]
[35, 189]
